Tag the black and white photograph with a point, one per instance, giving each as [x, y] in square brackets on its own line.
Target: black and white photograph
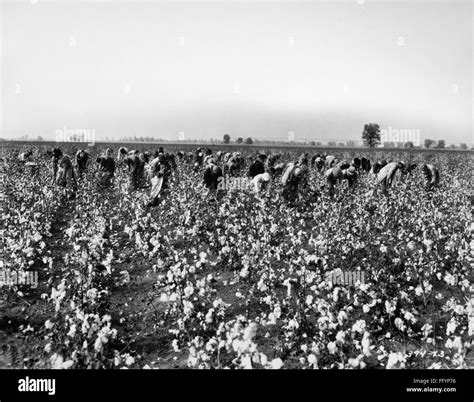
[193, 188]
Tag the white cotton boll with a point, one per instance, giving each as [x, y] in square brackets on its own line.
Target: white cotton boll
[129, 361]
[332, 347]
[342, 316]
[68, 364]
[188, 291]
[174, 345]
[312, 359]
[354, 362]
[246, 363]
[209, 316]
[56, 361]
[277, 311]
[276, 364]
[250, 332]
[72, 331]
[450, 279]
[392, 360]
[244, 272]
[359, 326]
[400, 324]
[340, 336]
[451, 327]
[366, 344]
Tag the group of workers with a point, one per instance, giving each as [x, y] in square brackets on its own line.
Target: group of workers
[154, 170]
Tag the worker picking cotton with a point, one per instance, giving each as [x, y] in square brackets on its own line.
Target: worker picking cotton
[431, 174]
[106, 168]
[387, 174]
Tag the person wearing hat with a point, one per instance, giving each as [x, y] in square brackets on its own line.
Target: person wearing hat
[129, 159]
[57, 155]
[331, 161]
[121, 155]
[258, 167]
[171, 161]
[136, 165]
[160, 172]
[208, 156]
[365, 164]
[357, 163]
[106, 169]
[65, 177]
[431, 173]
[226, 157]
[218, 156]
[279, 168]
[318, 163]
[333, 176]
[198, 159]
[270, 164]
[82, 158]
[295, 178]
[212, 173]
[25, 156]
[234, 163]
[262, 182]
[350, 174]
[387, 174]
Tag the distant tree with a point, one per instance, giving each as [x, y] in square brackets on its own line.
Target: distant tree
[351, 143]
[240, 140]
[452, 146]
[248, 140]
[463, 146]
[312, 143]
[39, 138]
[331, 143]
[441, 144]
[341, 144]
[429, 143]
[371, 135]
[409, 144]
[388, 144]
[226, 138]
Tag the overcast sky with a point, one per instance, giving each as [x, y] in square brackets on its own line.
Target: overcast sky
[261, 69]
